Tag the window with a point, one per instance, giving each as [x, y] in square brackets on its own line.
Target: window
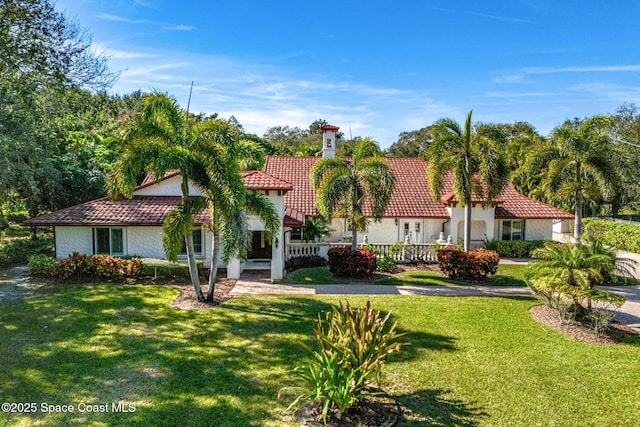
[197, 243]
[109, 241]
[513, 230]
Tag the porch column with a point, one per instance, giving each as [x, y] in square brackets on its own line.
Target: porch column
[233, 269]
[277, 255]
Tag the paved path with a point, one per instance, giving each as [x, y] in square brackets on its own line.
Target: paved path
[257, 283]
[15, 282]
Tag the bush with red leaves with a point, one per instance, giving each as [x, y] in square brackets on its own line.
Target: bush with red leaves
[477, 264]
[347, 263]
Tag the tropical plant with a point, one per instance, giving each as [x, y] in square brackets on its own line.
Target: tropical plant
[352, 347]
[343, 185]
[572, 270]
[158, 140]
[579, 164]
[209, 154]
[474, 158]
[314, 229]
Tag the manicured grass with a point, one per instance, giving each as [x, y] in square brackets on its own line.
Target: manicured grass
[472, 361]
[310, 276]
[507, 275]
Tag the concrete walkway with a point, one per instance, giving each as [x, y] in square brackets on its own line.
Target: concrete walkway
[258, 283]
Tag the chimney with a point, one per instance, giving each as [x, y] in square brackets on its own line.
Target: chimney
[329, 141]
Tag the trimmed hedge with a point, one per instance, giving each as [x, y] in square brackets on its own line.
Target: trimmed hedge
[611, 233]
[80, 266]
[476, 264]
[514, 248]
[166, 269]
[347, 263]
[304, 261]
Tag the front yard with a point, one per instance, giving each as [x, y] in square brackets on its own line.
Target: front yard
[472, 361]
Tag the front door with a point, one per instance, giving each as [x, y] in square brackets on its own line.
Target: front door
[260, 247]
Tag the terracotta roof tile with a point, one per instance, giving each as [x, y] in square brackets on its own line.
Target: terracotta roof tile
[258, 180]
[411, 197]
[141, 210]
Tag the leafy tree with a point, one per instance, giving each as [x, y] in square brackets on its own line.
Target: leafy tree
[343, 186]
[627, 132]
[474, 157]
[45, 59]
[411, 144]
[578, 163]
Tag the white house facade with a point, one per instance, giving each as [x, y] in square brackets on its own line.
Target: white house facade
[413, 215]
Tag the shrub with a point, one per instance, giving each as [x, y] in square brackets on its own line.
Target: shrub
[152, 267]
[352, 347]
[514, 248]
[110, 267]
[347, 263]
[623, 236]
[304, 261]
[80, 266]
[76, 267]
[385, 264]
[41, 265]
[476, 264]
[17, 251]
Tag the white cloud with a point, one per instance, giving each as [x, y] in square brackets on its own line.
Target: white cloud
[575, 69]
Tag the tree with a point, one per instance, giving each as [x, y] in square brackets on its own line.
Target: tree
[474, 157]
[411, 144]
[45, 60]
[627, 131]
[579, 163]
[342, 186]
[156, 141]
[314, 229]
[224, 155]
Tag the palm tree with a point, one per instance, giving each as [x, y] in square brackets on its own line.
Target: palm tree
[208, 153]
[158, 140]
[343, 185]
[474, 158]
[220, 148]
[579, 162]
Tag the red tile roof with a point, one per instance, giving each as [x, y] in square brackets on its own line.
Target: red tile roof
[258, 180]
[141, 210]
[411, 197]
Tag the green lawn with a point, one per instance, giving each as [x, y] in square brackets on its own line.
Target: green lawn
[472, 361]
[310, 276]
[507, 275]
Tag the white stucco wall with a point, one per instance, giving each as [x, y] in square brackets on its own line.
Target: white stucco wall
[73, 239]
[168, 187]
[478, 215]
[145, 242]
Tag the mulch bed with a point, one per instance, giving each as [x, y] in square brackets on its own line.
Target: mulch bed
[616, 333]
[187, 299]
[372, 411]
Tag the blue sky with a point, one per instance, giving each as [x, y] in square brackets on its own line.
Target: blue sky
[374, 68]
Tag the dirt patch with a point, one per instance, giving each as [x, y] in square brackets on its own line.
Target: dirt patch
[617, 332]
[187, 299]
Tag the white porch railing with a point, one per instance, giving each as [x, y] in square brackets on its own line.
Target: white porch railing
[409, 252]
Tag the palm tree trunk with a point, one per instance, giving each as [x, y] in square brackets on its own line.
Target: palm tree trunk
[213, 271]
[191, 257]
[577, 226]
[467, 226]
[354, 239]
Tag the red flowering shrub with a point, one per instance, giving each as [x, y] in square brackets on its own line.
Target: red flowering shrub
[110, 267]
[347, 263]
[80, 266]
[76, 267]
[477, 264]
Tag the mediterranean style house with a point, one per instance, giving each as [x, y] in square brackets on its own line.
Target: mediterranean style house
[134, 226]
